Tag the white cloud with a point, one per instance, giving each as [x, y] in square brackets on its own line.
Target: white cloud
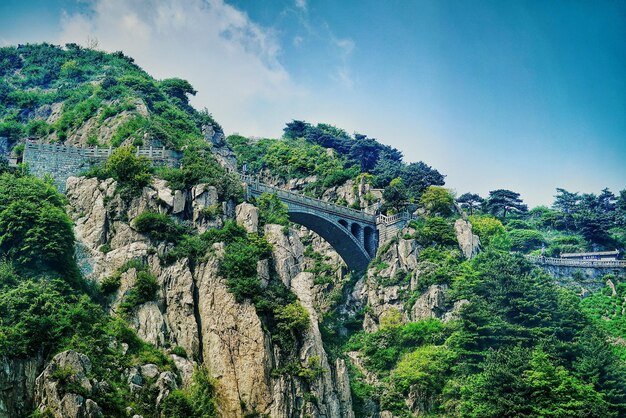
[301, 4]
[232, 62]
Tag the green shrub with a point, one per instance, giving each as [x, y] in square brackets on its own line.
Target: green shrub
[438, 200]
[272, 210]
[110, 284]
[105, 248]
[487, 228]
[198, 400]
[179, 351]
[424, 370]
[159, 227]
[144, 290]
[132, 173]
[525, 239]
[438, 230]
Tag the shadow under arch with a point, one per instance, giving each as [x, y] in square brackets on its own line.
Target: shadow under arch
[338, 236]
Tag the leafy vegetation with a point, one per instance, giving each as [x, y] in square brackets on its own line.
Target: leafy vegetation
[159, 227]
[198, 165]
[520, 347]
[198, 400]
[46, 307]
[94, 85]
[131, 172]
[272, 210]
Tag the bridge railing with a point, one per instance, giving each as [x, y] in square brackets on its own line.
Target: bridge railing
[255, 185]
[576, 263]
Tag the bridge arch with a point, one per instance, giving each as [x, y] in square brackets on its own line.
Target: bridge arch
[337, 234]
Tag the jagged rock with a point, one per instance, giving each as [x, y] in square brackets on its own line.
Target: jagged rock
[150, 324]
[86, 199]
[287, 250]
[50, 395]
[263, 271]
[407, 254]
[178, 283]
[134, 377]
[234, 347]
[164, 193]
[17, 385]
[184, 366]
[202, 196]
[333, 400]
[179, 202]
[609, 283]
[343, 388]
[247, 215]
[454, 312]
[149, 370]
[165, 384]
[468, 242]
[430, 304]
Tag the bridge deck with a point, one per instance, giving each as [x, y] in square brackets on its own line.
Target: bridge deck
[257, 187]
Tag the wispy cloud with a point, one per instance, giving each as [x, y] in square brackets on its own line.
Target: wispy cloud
[343, 73]
[233, 62]
[301, 4]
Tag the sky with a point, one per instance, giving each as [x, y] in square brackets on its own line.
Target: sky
[523, 95]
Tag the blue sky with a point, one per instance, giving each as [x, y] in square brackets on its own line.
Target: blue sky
[526, 95]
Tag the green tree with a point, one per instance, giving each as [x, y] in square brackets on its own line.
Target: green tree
[554, 392]
[178, 89]
[395, 196]
[272, 210]
[437, 200]
[132, 172]
[470, 201]
[486, 227]
[502, 201]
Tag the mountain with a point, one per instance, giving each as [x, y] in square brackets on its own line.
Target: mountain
[168, 291]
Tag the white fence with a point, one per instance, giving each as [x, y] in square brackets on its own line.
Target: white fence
[551, 261]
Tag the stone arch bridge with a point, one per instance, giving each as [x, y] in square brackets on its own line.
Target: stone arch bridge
[354, 234]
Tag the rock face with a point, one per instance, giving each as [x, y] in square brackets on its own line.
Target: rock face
[430, 304]
[17, 385]
[468, 242]
[248, 216]
[68, 371]
[195, 310]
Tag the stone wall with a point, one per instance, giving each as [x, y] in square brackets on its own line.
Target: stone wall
[582, 280]
[63, 162]
[60, 165]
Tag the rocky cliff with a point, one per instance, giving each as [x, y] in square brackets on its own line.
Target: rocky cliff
[195, 310]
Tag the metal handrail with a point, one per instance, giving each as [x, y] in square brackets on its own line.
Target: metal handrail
[576, 263]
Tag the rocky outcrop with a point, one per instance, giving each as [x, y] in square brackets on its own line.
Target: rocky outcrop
[234, 346]
[63, 389]
[468, 242]
[222, 152]
[431, 304]
[247, 215]
[17, 385]
[195, 310]
[287, 251]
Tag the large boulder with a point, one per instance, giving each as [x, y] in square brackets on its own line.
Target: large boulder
[57, 387]
[468, 242]
[247, 215]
